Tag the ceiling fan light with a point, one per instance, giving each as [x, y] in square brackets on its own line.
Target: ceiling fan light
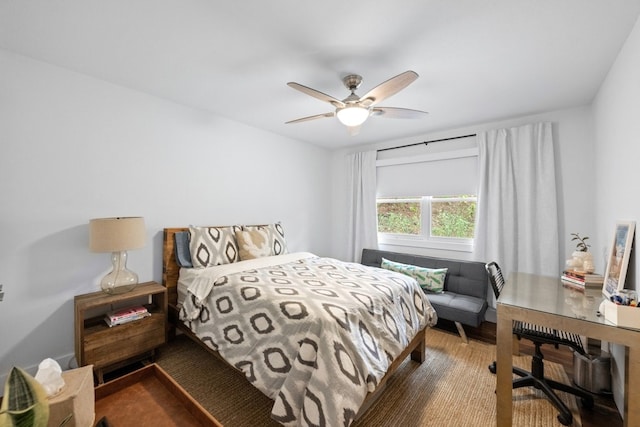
[352, 115]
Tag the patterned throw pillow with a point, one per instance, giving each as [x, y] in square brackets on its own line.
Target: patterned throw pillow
[276, 236]
[430, 279]
[210, 246]
[253, 244]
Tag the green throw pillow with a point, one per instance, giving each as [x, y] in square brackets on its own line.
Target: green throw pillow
[430, 279]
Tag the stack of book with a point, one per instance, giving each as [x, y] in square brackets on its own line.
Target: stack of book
[581, 280]
[125, 315]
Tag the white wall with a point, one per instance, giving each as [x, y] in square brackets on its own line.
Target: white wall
[617, 116]
[575, 160]
[75, 148]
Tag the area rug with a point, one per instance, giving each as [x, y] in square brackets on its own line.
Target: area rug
[453, 387]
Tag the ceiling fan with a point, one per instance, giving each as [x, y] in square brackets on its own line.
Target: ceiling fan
[354, 110]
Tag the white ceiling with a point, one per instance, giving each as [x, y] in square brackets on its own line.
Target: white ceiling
[478, 60]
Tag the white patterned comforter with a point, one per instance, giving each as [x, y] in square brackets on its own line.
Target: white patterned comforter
[314, 334]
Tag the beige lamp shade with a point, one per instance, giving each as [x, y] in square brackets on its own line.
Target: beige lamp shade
[116, 234]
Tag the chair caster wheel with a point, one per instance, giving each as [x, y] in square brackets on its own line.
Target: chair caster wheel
[492, 368]
[565, 419]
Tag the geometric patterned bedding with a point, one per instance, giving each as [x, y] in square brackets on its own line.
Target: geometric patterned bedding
[313, 334]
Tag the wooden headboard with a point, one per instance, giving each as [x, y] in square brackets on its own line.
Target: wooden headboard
[170, 268]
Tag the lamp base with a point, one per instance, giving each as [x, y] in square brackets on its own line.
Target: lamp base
[119, 280]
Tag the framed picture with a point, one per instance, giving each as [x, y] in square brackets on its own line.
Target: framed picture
[618, 260]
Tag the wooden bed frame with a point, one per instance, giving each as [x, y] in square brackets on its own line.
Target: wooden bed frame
[170, 273]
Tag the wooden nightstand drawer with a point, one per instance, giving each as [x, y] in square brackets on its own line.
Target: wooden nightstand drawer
[110, 345]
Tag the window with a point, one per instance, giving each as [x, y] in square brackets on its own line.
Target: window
[453, 216]
[446, 222]
[400, 216]
[428, 200]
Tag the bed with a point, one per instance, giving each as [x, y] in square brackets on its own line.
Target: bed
[318, 336]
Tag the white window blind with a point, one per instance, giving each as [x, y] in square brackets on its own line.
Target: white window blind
[439, 174]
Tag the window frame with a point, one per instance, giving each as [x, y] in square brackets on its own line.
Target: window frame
[425, 239]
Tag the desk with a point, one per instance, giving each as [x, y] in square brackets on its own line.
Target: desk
[544, 301]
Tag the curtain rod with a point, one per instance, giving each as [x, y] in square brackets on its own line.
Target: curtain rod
[427, 142]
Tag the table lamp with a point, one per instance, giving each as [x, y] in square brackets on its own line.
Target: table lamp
[117, 235]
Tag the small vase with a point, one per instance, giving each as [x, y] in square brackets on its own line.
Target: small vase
[587, 263]
[582, 261]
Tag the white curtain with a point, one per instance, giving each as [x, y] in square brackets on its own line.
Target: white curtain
[363, 228]
[517, 220]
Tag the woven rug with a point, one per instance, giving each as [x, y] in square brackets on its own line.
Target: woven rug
[453, 387]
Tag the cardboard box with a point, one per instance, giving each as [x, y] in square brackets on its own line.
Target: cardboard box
[76, 400]
[622, 315]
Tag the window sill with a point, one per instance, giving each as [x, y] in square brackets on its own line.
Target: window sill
[429, 244]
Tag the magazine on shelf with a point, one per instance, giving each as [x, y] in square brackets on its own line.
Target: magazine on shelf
[125, 315]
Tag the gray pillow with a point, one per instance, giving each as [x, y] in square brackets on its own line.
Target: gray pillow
[181, 246]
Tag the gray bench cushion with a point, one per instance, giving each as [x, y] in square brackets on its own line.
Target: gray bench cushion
[464, 298]
[459, 308]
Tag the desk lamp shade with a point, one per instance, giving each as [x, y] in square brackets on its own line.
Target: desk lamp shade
[117, 235]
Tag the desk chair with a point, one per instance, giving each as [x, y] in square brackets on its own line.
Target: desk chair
[541, 335]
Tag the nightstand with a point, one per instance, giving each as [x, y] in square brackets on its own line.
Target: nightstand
[108, 348]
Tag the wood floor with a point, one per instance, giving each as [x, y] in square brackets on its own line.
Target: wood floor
[604, 412]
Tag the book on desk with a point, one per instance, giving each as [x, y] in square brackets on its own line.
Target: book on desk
[581, 280]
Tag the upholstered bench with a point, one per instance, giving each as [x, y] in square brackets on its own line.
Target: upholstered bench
[464, 300]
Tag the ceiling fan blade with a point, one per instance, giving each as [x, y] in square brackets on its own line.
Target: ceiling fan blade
[388, 88]
[317, 94]
[398, 113]
[317, 116]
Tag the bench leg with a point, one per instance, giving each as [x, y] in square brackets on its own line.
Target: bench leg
[463, 335]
